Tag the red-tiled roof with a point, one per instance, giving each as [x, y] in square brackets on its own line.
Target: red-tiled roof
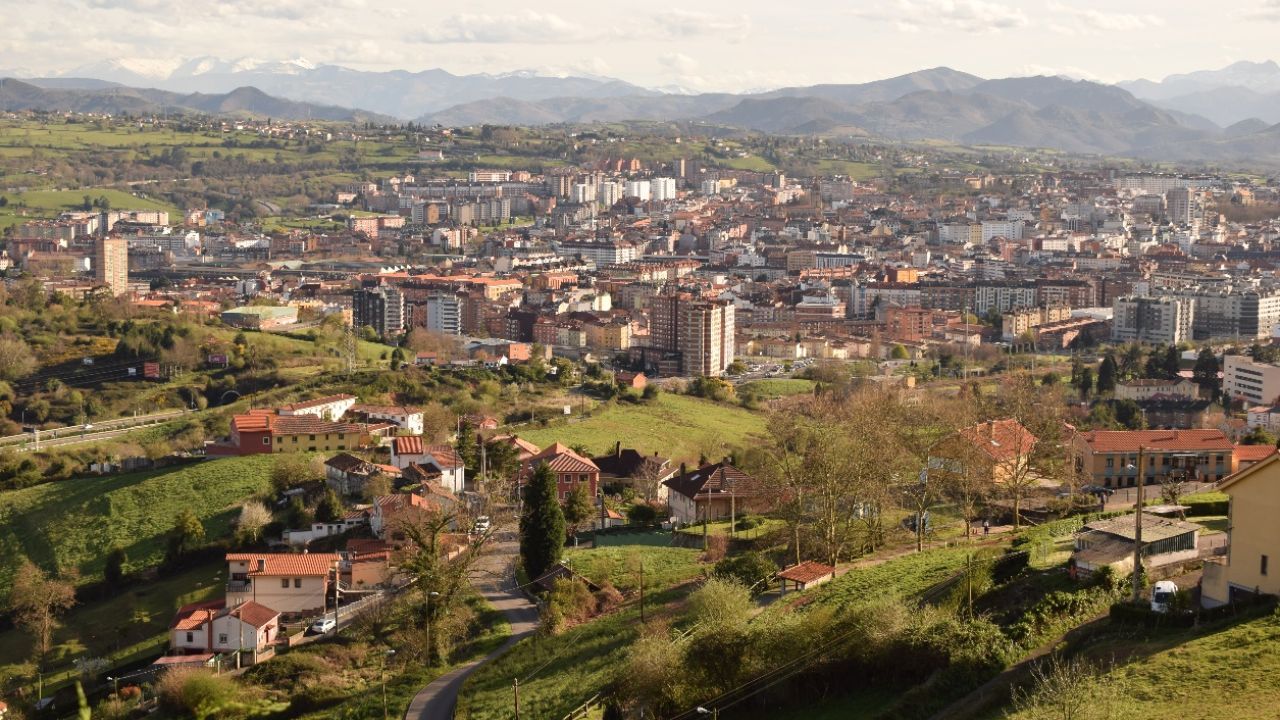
[445, 456]
[562, 459]
[806, 572]
[253, 613]
[1253, 453]
[1115, 441]
[519, 443]
[1001, 440]
[195, 615]
[409, 445]
[309, 424]
[287, 563]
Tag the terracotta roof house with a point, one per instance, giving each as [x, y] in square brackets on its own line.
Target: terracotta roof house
[291, 583]
[1110, 457]
[409, 450]
[712, 492]
[524, 448]
[330, 408]
[390, 512]
[211, 626]
[571, 470]
[347, 474]
[265, 431]
[1001, 447]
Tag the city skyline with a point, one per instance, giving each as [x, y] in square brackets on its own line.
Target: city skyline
[740, 46]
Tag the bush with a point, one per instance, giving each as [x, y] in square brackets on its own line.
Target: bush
[570, 602]
[752, 569]
[194, 691]
[641, 514]
[1209, 503]
[287, 669]
[313, 698]
[748, 522]
[720, 603]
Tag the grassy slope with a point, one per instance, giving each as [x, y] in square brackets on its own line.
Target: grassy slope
[779, 387]
[906, 576]
[128, 625]
[675, 425]
[663, 566]
[74, 523]
[560, 672]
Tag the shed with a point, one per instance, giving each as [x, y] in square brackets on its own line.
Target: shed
[806, 574]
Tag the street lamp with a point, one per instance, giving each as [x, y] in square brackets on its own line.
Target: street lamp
[115, 684]
[430, 619]
[714, 712]
[382, 675]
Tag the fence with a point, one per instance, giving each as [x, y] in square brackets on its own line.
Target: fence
[582, 710]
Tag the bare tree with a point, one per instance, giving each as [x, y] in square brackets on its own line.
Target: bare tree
[648, 478]
[36, 600]
[253, 517]
[1023, 461]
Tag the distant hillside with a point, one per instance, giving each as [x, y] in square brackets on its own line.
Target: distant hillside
[113, 99]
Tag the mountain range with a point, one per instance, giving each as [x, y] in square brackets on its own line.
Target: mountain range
[1227, 115]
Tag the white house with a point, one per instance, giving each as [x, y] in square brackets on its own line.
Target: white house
[213, 627]
[406, 418]
[409, 450]
[330, 408]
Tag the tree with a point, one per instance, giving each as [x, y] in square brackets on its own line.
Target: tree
[541, 524]
[1084, 382]
[376, 486]
[578, 508]
[187, 535]
[752, 569]
[16, 358]
[330, 507]
[113, 570]
[36, 600]
[1172, 362]
[648, 478]
[720, 603]
[1258, 436]
[467, 448]
[1107, 375]
[292, 470]
[254, 516]
[1205, 372]
[899, 353]
[1039, 410]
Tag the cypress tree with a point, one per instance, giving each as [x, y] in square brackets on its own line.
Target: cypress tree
[1107, 375]
[542, 524]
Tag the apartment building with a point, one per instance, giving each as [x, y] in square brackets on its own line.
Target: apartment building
[1256, 382]
[1163, 320]
[381, 308]
[1110, 457]
[111, 264]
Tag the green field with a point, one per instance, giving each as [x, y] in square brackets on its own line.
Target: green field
[74, 523]
[903, 577]
[678, 426]
[778, 387]
[133, 623]
[663, 566]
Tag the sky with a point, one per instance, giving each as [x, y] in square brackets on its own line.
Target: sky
[704, 46]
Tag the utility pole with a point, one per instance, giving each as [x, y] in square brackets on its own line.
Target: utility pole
[1137, 527]
[642, 591]
[968, 578]
[515, 688]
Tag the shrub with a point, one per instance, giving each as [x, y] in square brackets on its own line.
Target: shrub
[287, 669]
[607, 597]
[570, 602]
[313, 698]
[719, 603]
[717, 548]
[752, 569]
[194, 691]
[748, 522]
[641, 514]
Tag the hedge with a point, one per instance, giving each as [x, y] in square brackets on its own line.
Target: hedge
[1129, 614]
[1209, 503]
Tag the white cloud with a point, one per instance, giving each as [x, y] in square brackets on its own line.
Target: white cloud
[678, 63]
[686, 24]
[967, 15]
[1105, 21]
[528, 26]
[1269, 10]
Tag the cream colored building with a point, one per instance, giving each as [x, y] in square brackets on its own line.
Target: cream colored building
[289, 583]
[1254, 536]
[1258, 383]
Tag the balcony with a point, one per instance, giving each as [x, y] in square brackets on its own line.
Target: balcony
[239, 586]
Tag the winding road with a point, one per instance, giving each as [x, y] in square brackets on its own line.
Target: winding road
[497, 584]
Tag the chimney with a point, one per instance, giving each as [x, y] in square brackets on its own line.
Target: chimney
[617, 448]
[262, 565]
[683, 470]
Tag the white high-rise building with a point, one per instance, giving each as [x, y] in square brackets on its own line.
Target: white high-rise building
[583, 193]
[1161, 320]
[610, 193]
[639, 189]
[664, 189]
[1180, 205]
[710, 187]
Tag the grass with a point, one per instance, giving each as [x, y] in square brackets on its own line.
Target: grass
[663, 566]
[721, 527]
[53, 202]
[680, 426]
[860, 705]
[127, 627]
[779, 387]
[906, 577]
[75, 523]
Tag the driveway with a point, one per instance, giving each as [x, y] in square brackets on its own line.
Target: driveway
[495, 580]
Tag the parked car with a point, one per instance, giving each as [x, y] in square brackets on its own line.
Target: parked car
[323, 626]
[1162, 594]
[482, 525]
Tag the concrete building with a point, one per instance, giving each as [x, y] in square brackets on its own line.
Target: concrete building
[638, 189]
[1257, 383]
[111, 264]
[444, 313]
[1254, 537]
[1180, 205]
[706, 341]
[663, 189]
[1110, 457]
[1164, 320]
[260, 317]
[381, 308]
[1232, 313]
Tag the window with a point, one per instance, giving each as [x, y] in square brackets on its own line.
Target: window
[342, 436]
[284, 582]
[1263, 568]
[191, 637]
[312, 437]
[266, 441]
[222, 638]
[1111, 462]
[297, 582]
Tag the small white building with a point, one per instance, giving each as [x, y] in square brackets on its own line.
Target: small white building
[213, 627]
[405, 418]
[330, 408]
[409, 450]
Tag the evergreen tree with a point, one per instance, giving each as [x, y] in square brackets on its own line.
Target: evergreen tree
[467, 448]
[1172, 362]
[113, 572]
[1205, 371]
[1084, 382]
[541, 524]
[330, 507]
[1107, 375]
[578, 507]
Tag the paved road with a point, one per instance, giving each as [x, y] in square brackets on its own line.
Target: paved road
[437, 700]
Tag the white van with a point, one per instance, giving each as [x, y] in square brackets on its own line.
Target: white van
[1162, 594]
